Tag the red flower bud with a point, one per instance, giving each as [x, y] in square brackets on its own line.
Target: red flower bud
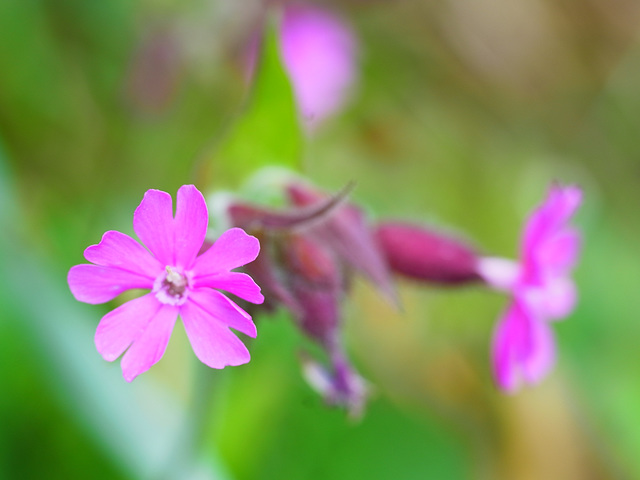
[426, 255]
[315, 281]
[349, 235]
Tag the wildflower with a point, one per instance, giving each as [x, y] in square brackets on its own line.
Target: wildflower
[181, 283]
[319, 51]
[523, 347]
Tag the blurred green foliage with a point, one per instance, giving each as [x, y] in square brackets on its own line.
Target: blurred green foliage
[266, 133]
[461, 118]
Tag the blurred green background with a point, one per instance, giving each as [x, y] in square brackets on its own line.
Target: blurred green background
[462, 114]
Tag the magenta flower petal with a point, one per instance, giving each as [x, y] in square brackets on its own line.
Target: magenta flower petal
[95, 284]
[153, 224]
[223, 310]
[212, 341]
[319, 53]
[119, 328]
[559, 254]
[190, 225]
[553, 301]
[123, 252]
[551, 216]
[150, 344]
[541, 355]
[507, 336]
[523, 349]
[562, 203]
[233, 249]
[550, 245]
[239, 284]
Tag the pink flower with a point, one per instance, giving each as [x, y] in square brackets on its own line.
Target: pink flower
[523, 348]
[319, 53]
[181, 283]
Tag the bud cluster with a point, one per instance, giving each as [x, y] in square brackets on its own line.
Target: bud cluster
[311, 249]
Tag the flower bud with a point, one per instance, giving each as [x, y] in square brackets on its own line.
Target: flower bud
[315, 281]
[307, 253]
[426, 255]
[349, 235]
[338, 384]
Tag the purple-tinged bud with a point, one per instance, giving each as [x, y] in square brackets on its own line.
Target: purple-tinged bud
[306, 253]
[347, 233]
[310, 263]
[426, 255]
[315, 281]
[266, 270]
[339, 385]
[294, 269]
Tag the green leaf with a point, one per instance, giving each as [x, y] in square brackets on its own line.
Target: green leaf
[268, 132]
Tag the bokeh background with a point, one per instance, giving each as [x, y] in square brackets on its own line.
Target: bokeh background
[461, 116]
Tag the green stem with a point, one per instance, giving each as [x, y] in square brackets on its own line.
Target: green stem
[190, 460]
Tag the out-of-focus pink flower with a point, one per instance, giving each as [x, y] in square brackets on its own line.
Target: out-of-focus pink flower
[181, 283]
[319, 53]
[523, 348]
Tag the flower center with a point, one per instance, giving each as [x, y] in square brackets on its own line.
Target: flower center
[171, 287]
